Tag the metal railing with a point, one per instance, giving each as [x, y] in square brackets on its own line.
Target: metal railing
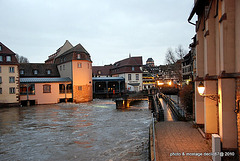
[176, 109]
[153, 131]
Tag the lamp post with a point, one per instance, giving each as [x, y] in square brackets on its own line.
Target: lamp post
[201, 89]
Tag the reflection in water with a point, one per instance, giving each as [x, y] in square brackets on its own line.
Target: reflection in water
[87, 131]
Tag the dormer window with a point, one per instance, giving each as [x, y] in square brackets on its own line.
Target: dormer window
[78, 56]
[21, 71]
[0, 48]
[35, 71]
[8, 58]
[48, 71]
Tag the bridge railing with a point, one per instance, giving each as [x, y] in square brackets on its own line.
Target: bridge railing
[176, 109]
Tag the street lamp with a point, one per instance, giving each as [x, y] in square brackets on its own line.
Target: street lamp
[201, 89]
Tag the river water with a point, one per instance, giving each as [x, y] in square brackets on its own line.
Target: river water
[87, 131]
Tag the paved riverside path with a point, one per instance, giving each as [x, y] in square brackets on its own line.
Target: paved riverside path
[175, 138]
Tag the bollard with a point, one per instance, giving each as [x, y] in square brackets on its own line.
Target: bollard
[216, 147]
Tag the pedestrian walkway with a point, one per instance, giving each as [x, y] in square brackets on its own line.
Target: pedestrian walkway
[181, 142]
[168, 115]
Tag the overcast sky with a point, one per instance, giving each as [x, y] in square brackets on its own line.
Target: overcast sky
[108, 29]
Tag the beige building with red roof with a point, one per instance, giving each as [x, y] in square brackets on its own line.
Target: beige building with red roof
[9, 77]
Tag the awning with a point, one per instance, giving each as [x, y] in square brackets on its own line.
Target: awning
[134, 84]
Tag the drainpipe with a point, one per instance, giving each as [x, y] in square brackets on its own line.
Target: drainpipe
[28, 102]
[65, 93]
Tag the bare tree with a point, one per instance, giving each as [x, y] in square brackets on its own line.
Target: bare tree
[174, 59]
[22, 59]
[180, 52]
[170, 57]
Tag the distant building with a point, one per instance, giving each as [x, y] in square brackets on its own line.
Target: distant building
[9, 77]
[189, 64]
[130, 69]
[150, 62]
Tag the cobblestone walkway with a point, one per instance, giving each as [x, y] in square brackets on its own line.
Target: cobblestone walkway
[181, 142]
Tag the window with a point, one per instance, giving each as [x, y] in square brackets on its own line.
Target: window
[60, 68]
[35, 71]
[0, 48]
[0, 80]
[129, 77]
[11, 90]
[1, 58]
[24, 91]
[48, 71]
[11, 79]
[69, 88]
[0, 90]
[133, 68]
[0, 69]
[137, 76]
[78, 56]
[79, 65]
[9, 58]
[21, 71]
[11, 69]
[63, 67]
[80, 88]
[46, 88]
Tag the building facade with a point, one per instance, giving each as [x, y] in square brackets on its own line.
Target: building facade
[218, 68]
[9, 77]
[76, 64]
[65, 76]
[130, 69]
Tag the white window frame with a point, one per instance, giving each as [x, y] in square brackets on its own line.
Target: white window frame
[35, 71]
[78, 56]
[137, 76]
[11, 79]
[11, 90]
[129, 76]
[11, 70]
[8, 58]
[21, 71]
[79, 65]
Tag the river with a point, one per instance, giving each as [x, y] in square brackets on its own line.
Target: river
[94, 131]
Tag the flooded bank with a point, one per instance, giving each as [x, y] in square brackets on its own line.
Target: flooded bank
[87, 131]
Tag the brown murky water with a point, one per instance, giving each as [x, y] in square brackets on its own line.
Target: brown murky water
[87, 131]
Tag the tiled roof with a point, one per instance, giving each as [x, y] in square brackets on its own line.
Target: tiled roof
[44, 80]
[129, 61]
[129, 65]
[71, 54]
[101, 70]
[5, 50]
[28, 69]
[77, 48]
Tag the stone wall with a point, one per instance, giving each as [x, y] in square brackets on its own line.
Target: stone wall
[82, 93]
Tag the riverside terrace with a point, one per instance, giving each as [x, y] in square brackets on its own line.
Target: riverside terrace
[105, 87]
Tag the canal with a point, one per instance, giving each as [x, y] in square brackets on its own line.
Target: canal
[87, 131]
